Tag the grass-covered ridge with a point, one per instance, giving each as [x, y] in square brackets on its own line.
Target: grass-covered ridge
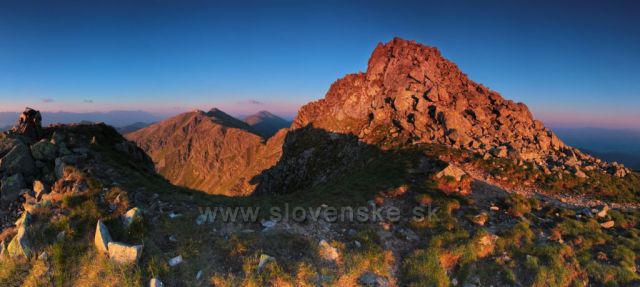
[501, 240]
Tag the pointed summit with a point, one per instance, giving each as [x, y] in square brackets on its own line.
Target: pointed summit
[265, 123]
[213, 151]
[222, 118]
[410, 94]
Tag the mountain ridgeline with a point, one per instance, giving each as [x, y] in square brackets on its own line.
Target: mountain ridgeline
[266, 124]
[209, 151]
[410, 95]
[485, 194]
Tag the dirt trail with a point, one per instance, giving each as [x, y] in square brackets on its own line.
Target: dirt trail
[486, 188]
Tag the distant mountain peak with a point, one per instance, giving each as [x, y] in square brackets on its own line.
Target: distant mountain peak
[265, 123]
[210, 151]
[222, 118]
[265, 114]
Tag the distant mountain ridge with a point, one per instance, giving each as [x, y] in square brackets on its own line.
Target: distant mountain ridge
[132, 128]
[621, 145]
[209, 151]
[113, 118]
[410, 95]
[266, 124]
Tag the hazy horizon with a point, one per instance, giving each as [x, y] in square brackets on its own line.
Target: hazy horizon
[576, 68]
[10, 117]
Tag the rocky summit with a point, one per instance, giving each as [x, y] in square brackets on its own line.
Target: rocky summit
[410, 94]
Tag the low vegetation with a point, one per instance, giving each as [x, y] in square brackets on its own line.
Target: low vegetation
[504, 240]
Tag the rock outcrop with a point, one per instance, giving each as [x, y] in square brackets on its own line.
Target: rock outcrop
[40, 166]
[44, 151]
[10, 188]
[19, 245]
[410, 94]
[29, 125]
[18, 160]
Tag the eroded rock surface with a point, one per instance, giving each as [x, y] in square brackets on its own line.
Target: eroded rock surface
[410, 94]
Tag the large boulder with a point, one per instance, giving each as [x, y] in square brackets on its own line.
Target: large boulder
[453, 172]
[102, 237]
[19, 245]
[29, 125]
[44, 151]
[61, 164]
[10, 188]
[123, 253]
[18, 160]
[7, 144]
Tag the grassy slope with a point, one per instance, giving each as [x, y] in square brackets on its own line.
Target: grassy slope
[526, 251]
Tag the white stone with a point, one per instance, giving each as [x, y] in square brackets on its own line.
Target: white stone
[175, 260]
[268, 224]
[155, 282]
[123, 253]
[102, 237]
[19, 245]
[264, 260]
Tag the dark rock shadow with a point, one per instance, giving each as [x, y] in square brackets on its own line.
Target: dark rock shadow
[318, 164]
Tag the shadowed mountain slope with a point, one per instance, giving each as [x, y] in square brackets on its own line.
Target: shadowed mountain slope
[211, 151]
[266, 124]
[410, 95]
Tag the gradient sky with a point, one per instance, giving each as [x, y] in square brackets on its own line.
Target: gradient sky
[575, 63]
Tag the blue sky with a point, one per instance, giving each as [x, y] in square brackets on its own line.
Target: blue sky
[575, 63]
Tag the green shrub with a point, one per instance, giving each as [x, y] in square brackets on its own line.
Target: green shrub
[423, 268]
